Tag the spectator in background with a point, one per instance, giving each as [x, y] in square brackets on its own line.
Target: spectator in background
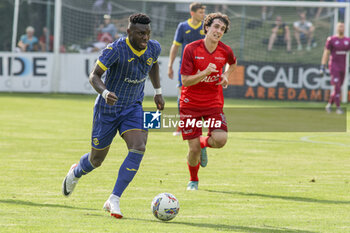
[107, 29]
[28, 42]
[280, 35]
[303, 32]
[42, 41]
[266, 12]
[107, 33]
[342, 10]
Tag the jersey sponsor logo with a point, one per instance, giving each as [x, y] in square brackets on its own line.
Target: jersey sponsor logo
[188, 31]
[210, 79]
[346, 42]
[219, 58]
[131, 59]
[340, 52]
[196, 57]
[149, 61]
[134, 81]
[131, 169]
[186, 100]
[95, 141]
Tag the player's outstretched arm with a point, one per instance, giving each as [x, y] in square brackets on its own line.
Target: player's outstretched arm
[154, 76]
[100, 87]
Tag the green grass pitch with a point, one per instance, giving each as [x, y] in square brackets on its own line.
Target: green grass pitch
[259, 182]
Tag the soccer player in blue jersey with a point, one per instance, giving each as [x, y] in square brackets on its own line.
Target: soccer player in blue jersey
[118, 107]
[186, 32]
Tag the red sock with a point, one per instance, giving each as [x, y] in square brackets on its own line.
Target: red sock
[193, 172]
[204, 141]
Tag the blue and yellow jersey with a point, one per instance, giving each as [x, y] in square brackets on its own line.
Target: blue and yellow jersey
[127, 70]
[186, 33]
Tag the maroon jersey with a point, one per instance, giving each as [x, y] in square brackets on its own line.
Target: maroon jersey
[338, 48]
[206, 93]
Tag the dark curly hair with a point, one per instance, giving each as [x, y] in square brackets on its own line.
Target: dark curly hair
[139, 18]
[210, 18]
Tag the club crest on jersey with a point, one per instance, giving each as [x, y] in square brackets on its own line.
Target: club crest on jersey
[346, 42]
[149, 61]
[95, 141]
[202, 32]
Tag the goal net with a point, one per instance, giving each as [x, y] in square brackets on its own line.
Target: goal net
[273, 63]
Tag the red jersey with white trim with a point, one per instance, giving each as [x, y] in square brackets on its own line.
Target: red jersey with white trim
[196, 58]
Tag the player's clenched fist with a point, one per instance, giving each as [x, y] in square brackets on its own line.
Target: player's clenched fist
[210, 69]
[110, 97]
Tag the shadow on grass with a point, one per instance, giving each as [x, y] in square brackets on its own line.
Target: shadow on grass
[29, 203]
[300, 199]
[233, 228]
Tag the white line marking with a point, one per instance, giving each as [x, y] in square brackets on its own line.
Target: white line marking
[307, 139]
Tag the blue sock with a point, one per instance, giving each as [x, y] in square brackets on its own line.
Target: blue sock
[84, 166]
[178, 104]
[127, 171]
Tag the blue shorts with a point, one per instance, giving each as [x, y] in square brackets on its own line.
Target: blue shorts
[106, 125]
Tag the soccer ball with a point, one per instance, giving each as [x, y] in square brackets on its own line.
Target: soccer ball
[165, 206]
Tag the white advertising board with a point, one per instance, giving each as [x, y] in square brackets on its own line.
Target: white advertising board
[75, 70]
[26, 72]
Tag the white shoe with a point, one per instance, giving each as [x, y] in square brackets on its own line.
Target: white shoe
[308, 48]
[300, 47]
[328, 108]
[192, 186]
[69, 182]
[112, 206]
[177, 132]
[339, 111]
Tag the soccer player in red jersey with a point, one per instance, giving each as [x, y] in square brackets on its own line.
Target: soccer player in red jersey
[201, 95]
[337, 46]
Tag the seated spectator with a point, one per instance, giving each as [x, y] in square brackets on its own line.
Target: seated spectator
[280, 35]
[42, 41]
[107, 33]
[303, 32]
[107, 28]
[28, 42]
[266, 12]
